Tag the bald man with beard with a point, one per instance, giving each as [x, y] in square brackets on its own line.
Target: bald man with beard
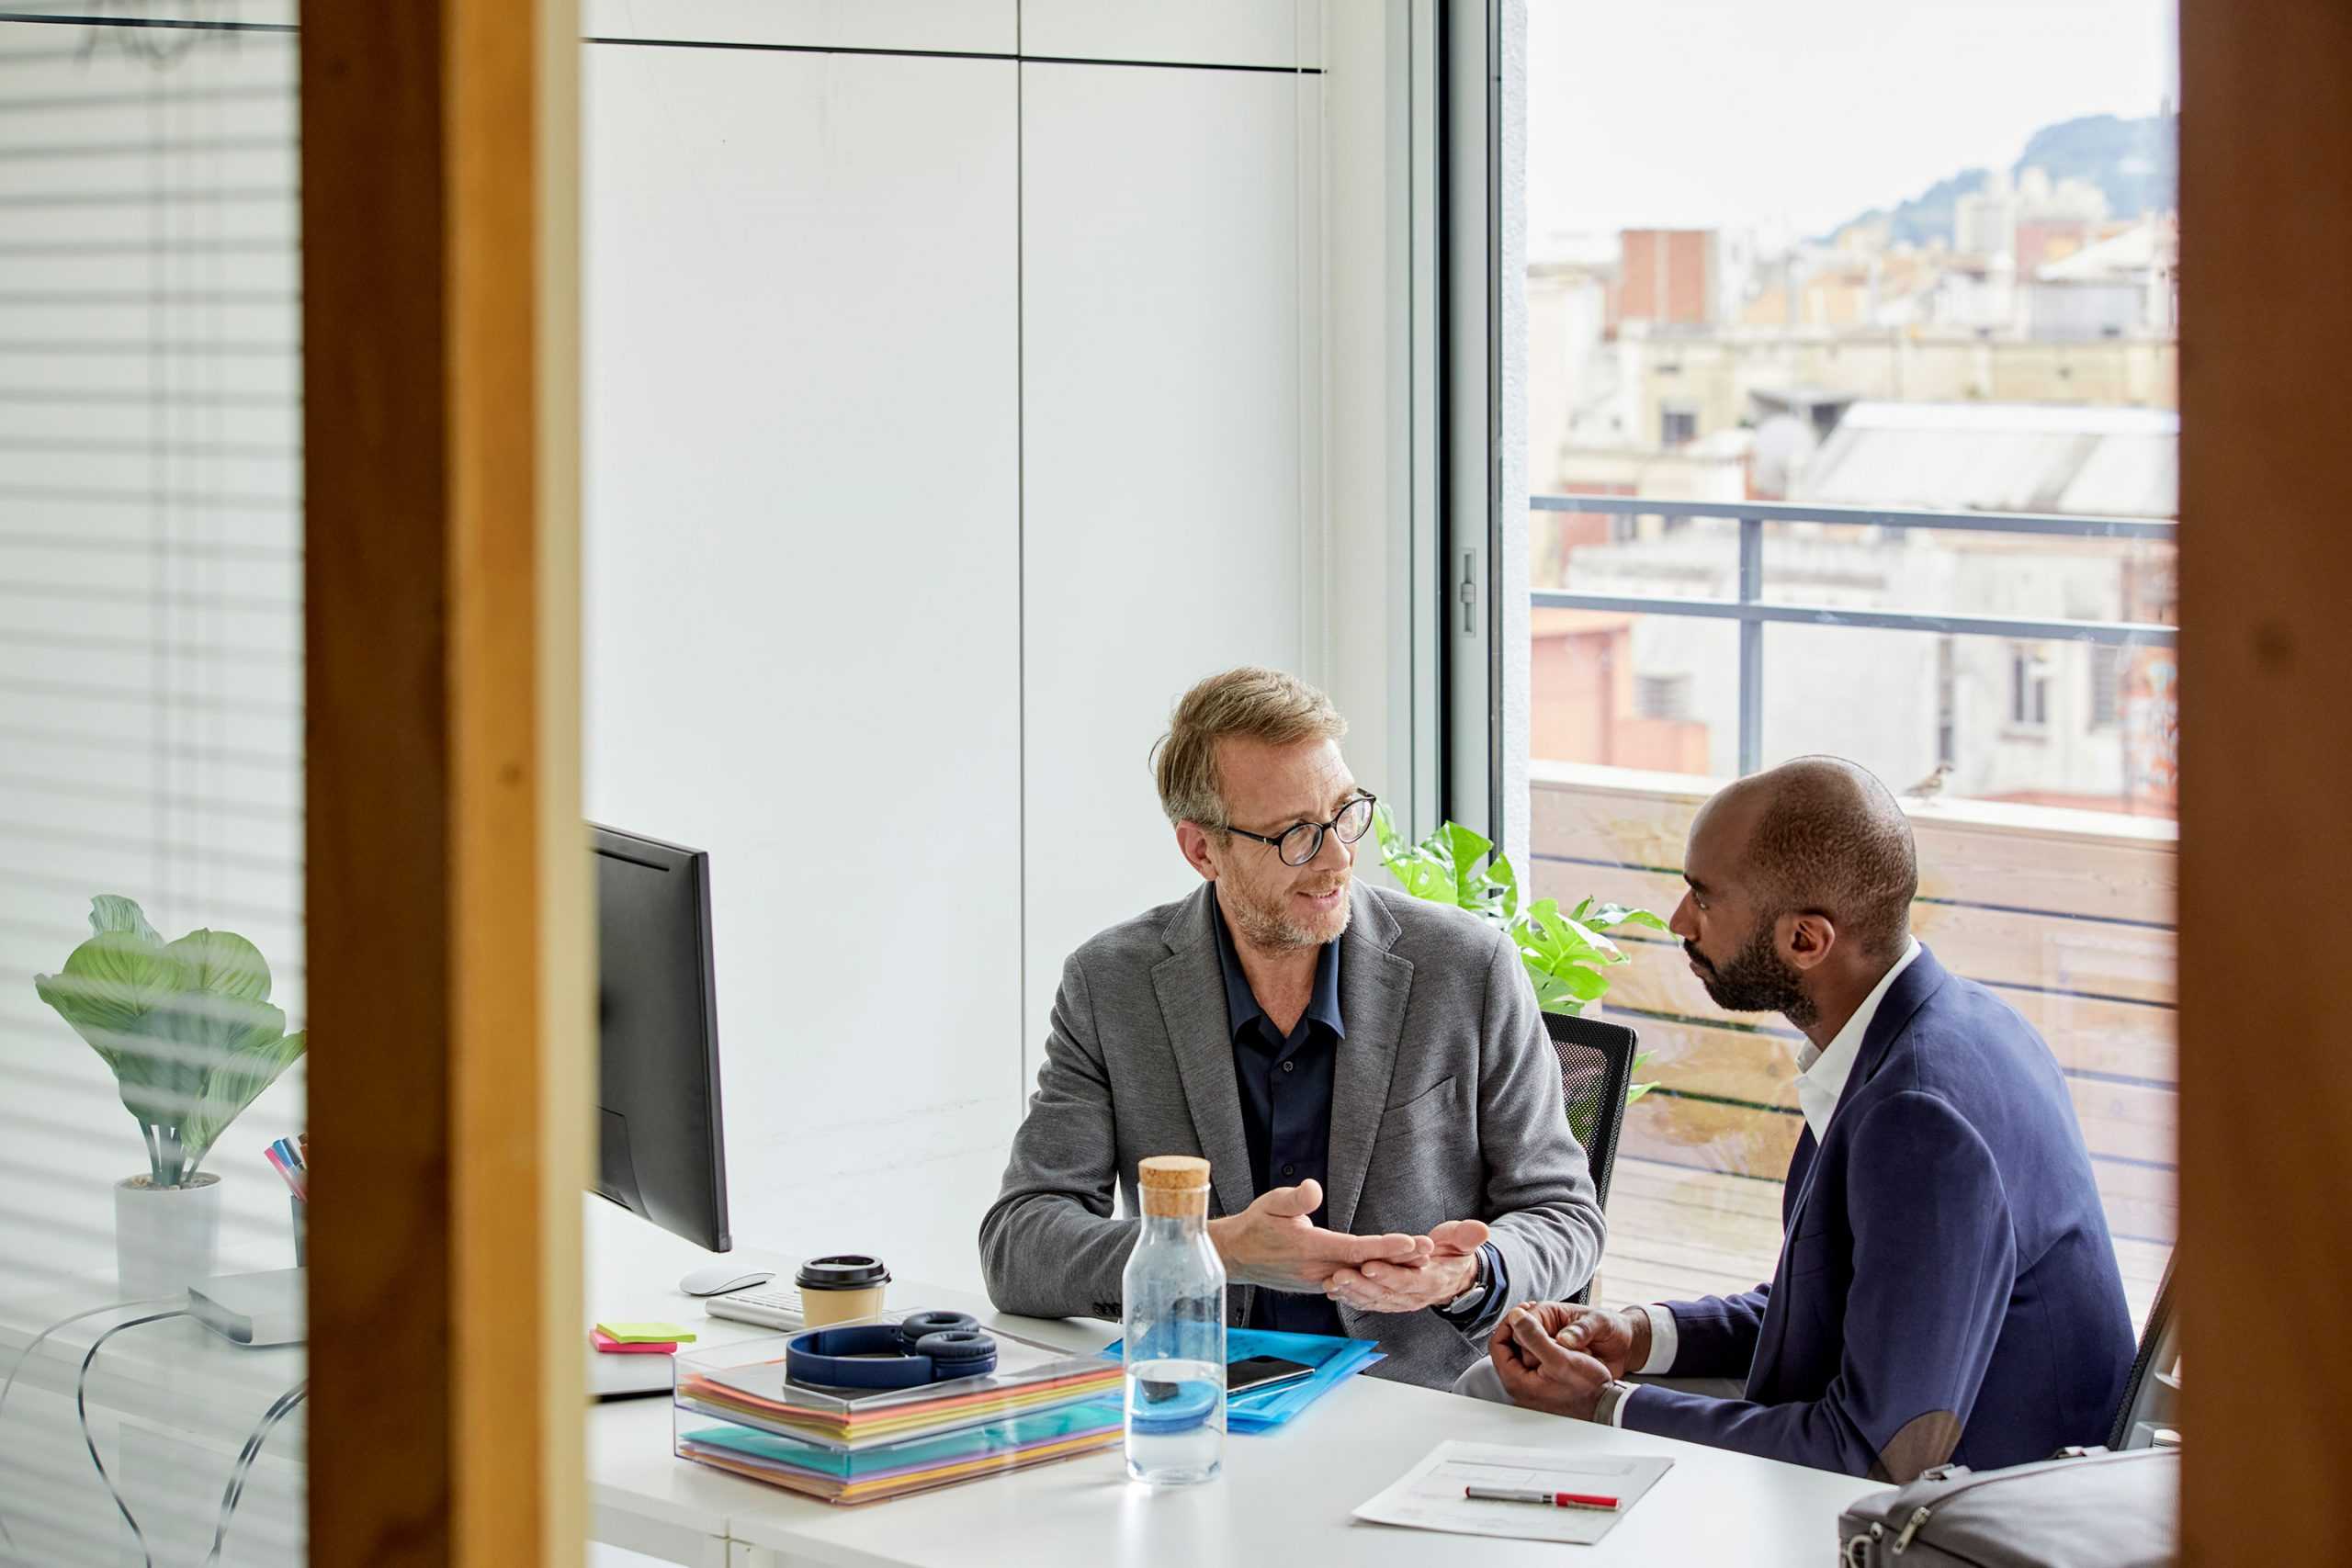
[1947, 1290]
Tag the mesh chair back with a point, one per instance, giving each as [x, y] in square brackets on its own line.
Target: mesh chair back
[2144, 1398]
[1595, 1063]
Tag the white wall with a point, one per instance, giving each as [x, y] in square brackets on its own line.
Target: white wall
[1163, 429]
[946, 417]
[801, 528]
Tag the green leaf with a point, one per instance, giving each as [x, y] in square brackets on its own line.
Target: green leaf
[224, 964]
[1506, 875]
[236, 1082]
[1464, 845]
[186, 1027]
[1634, 1092]
[1604, 916]
[1595, 941]
[1583, 983]
[113, 912]
[1552, 997]
[1423, 880]
[109, 987]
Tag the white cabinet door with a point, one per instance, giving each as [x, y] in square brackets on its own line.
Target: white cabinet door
[1170, 438]
[1278, 33]
[935, 26]
[802, 644]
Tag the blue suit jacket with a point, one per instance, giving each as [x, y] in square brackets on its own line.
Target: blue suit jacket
[1947, 1290]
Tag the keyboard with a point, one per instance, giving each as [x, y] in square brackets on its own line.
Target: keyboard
[770, 1306]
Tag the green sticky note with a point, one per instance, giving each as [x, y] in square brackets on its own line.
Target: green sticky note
[648, 1333]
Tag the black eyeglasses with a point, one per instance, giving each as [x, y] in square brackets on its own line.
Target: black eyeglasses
[1302, 842]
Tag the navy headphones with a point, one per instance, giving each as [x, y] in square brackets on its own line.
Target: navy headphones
[930, 1346]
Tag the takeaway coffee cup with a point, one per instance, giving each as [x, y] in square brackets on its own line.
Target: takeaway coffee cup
[836, 1289]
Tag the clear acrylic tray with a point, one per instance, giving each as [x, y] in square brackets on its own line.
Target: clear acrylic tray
[745, 1383]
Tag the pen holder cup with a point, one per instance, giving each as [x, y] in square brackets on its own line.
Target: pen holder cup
[301, 1231]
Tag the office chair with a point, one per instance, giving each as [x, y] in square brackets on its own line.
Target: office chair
[1595, 1065]
[2151, 1396]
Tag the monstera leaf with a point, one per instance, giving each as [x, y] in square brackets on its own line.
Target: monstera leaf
[1567, 953]
[1451, 866]
[187, 1027]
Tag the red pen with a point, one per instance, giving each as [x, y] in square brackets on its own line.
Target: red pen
[1547, 1499]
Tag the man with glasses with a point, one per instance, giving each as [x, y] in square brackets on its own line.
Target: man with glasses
[1367, 1074]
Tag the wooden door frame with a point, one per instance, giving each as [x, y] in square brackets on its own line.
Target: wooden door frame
[448, 896]
[2265, 558]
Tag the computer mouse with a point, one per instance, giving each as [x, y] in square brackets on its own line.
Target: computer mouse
[718, 1278]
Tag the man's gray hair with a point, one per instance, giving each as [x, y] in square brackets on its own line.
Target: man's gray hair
[1252, 703]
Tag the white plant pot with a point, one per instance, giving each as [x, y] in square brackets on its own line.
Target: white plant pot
[166, 1238]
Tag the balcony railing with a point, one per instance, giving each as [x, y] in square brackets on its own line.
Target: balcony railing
[1754, 613]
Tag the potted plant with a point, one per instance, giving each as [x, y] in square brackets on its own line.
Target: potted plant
[187, 1029]
[1568, 953]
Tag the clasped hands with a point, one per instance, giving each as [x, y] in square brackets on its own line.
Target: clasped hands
[1274, 1243]
[1556, 1355]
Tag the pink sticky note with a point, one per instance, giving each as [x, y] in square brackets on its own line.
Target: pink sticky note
[612, 1347]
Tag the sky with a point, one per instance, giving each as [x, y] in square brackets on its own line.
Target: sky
[1738, 113]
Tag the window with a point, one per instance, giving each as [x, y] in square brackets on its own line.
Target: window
[2107, 683]
[152, 548]
[1899, 279]
[1946, 703]
[1662, 697]
[2029, 688]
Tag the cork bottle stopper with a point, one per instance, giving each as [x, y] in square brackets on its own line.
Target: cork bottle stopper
[1173, 1185]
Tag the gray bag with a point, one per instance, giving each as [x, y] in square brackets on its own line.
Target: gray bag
[2089, 1508]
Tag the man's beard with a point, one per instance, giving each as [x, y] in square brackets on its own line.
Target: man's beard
[1269, 926]
[1757, 980]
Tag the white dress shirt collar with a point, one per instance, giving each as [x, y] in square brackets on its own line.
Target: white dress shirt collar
[1822, 1073]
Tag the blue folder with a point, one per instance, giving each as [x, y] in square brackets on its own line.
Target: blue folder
[1333, 1358]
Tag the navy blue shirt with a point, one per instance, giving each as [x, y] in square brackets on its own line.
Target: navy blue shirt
[1285, 1083]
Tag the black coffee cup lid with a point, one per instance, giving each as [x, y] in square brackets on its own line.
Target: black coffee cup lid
[843, 1271]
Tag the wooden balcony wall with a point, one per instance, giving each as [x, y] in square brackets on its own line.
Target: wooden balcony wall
[2068, 916]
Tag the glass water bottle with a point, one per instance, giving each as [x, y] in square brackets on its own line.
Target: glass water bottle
[1174, 1291]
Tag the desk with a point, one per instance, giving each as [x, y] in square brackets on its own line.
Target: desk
[1285, 1497]
[170, 1405]
[180, 1400]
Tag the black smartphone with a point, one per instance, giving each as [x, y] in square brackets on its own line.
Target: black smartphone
[1262, 1371]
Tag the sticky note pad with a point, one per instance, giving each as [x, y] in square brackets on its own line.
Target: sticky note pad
[612, 1347]
[647, 1333]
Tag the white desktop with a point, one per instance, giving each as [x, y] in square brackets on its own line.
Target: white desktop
[1284, 1495]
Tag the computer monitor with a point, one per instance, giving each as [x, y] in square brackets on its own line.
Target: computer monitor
[661, 1152]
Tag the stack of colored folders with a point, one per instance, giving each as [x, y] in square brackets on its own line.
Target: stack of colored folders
[737, 1409]
[1335, 1360]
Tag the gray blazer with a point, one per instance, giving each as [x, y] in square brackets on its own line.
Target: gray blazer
[1445, 1105]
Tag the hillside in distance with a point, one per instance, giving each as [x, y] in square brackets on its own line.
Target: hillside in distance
[2134, 161]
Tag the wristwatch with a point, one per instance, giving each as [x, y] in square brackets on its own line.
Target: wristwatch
[1467, 1303]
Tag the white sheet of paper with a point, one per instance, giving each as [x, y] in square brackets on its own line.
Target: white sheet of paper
[1429, 1498]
